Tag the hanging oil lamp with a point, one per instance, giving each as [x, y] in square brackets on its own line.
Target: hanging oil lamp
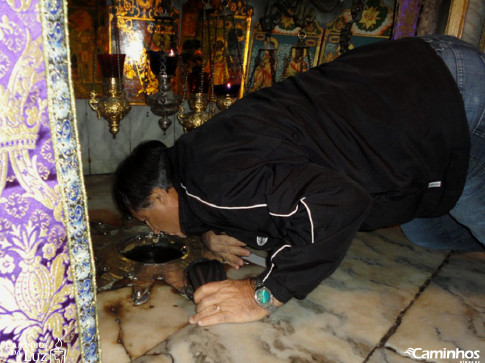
[226, 95]
[198, 115]
[163, 103]
[159, 58]
[114, 106]
[227, 92]
[298, 59]
[199, 101]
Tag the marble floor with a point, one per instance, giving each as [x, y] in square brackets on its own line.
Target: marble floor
[389, 301]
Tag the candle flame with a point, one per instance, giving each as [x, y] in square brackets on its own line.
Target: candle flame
[172, 53]
[228, 85]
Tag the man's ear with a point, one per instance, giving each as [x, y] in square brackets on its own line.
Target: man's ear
[160, 195]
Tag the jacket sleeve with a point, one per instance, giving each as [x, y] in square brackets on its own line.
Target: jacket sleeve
[318, 212]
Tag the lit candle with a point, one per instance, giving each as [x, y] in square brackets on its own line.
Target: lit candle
[232, 89]
[171, 62]
[227, 89]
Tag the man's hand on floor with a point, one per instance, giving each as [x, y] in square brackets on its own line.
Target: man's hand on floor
[228, 248]
[228, 301]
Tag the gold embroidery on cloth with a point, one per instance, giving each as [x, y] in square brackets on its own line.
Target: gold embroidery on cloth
[19, 135]
[24, 5]
[33, 301]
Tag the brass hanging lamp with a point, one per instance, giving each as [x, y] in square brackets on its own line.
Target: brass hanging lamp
[114, 106]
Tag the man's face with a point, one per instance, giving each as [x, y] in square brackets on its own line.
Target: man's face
[162, 215]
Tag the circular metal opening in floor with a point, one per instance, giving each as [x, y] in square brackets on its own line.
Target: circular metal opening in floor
[148, 248]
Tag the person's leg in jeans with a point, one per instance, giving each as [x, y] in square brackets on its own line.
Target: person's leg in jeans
[464, 227]
[441, 233]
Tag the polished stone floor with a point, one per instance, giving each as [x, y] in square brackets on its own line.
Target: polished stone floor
[389, 301]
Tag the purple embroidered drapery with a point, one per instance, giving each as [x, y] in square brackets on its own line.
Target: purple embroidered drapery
[46, 283]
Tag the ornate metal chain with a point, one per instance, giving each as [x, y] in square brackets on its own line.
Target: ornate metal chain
[95, 53]
[225, 40]
[272, 62]
[257, 62]
[204, 19]
[181, 113]
[238, 48]
[212, 48]
[346, 33]
[117, 44]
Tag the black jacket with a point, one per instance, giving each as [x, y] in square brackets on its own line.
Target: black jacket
[375, 138]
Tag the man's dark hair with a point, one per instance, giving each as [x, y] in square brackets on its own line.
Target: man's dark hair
[136, 176]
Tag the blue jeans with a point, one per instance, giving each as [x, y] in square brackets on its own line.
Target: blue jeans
[463, 228]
